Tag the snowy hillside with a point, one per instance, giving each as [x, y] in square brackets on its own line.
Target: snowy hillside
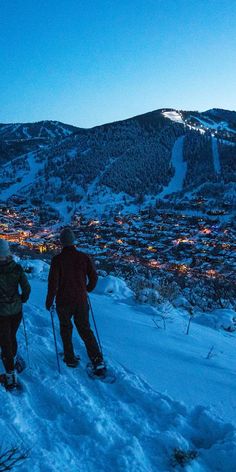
[121, 164]
[17, 139]
[174, 395]
[38, 130]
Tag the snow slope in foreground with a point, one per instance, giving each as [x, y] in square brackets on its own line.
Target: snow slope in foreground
[75, 424]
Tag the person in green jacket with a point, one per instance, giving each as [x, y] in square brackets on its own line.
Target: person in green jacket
[12, 277]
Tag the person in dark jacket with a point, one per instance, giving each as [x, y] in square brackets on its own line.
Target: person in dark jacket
[12, 277]
[72, 274]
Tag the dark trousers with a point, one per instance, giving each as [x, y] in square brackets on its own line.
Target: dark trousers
[8, 329]
[80, 315]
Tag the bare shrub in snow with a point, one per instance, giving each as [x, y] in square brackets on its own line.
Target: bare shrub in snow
[11, 457]
[154, 292]
[149, 296]
[223, 292]
[183, 458]
[168, 289]
[191, 315]
[164, 314]
[211, 293]
[210, 353]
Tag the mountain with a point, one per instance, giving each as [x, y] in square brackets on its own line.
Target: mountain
[39, 130]
[165, 155]
[19, 138]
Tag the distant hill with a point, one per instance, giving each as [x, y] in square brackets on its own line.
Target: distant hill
[40, 130]
[19, 138]
[121, 163]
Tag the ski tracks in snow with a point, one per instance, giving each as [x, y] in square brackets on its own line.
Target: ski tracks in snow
[27, 179]
[72, 423]
[216, 156]
[180, 167]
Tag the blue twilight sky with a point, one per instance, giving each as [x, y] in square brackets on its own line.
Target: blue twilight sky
[88, 62]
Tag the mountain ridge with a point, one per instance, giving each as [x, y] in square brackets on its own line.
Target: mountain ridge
[115, 121]
[121, 163]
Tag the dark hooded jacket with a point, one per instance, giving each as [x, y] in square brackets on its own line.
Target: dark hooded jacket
[72, 274]
[12, 277]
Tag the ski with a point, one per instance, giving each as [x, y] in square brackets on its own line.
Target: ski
[108, 377]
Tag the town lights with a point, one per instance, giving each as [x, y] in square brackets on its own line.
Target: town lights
[183, 268]
[42, 249]
[182, 240]
[151, 249]
[153, 263]
[93, 222]
[226, 246]
[212, 273]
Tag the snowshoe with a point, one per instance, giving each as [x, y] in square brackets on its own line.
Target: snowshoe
[9, 382]
[73, 362]
[99, 366]
[104, 375]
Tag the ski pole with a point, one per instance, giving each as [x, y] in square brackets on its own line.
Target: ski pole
[95, 326]
[52, 310]
[26, 340]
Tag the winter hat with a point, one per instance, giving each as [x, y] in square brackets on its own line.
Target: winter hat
[67, 237]
[4, 248]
